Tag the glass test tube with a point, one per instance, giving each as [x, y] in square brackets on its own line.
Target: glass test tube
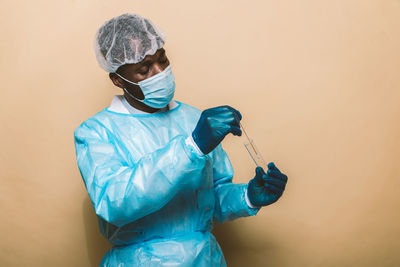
[253, 151]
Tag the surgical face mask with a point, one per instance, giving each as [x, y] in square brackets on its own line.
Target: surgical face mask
[158, 90]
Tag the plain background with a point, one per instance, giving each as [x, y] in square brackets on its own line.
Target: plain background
[317, 83]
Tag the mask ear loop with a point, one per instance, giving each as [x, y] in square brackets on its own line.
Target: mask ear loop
[167, 69]
[125, 90]
[126, 79]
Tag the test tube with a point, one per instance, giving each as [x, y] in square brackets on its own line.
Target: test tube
[253, 151]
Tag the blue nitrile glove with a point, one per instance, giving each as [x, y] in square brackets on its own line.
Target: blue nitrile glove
[266, 188]
[214, 124]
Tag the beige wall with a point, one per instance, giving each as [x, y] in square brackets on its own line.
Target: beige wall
[317, 83]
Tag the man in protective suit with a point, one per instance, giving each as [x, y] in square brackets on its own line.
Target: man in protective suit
[154, 168]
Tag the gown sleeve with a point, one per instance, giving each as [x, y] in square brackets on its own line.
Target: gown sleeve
[122, 192]
[230, 202]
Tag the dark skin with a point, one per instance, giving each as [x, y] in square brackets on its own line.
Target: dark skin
[148, 67]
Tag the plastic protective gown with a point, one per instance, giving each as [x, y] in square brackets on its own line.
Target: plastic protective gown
[154, 195]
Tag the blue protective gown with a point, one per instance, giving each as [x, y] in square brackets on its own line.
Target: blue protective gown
[154, 195]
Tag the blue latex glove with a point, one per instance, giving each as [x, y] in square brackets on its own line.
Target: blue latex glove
[266, 188]
[214, 124]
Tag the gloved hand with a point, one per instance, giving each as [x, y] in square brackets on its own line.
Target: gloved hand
[214, 124]
[266, 188]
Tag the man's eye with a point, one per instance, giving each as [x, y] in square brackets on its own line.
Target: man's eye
[144, 70]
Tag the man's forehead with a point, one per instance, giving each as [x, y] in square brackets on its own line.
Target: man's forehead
[147, 59]
[151, 57]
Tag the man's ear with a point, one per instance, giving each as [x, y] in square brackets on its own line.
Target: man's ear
[116, 80]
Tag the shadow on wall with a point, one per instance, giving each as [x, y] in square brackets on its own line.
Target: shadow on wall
[96, 244]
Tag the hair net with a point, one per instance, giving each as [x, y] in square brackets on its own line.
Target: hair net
[126, 39]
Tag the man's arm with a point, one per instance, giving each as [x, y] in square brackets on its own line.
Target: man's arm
[230, 198]
[122, 192]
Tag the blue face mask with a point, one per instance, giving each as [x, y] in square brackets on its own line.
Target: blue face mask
[158, 90]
